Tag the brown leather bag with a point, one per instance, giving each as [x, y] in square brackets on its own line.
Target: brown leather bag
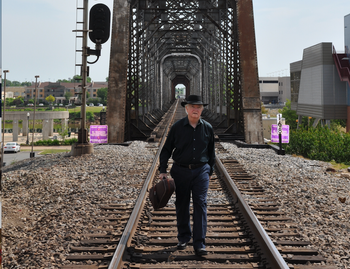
[160, 193]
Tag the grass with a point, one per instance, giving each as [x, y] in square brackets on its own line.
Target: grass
[47, 151]
[339, 166]
[93, 109]
[53, 151]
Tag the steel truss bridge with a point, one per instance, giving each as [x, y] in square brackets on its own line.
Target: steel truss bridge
[207, 45]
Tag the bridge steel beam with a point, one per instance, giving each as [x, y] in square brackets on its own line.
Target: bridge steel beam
[251, 104]
[151, 49]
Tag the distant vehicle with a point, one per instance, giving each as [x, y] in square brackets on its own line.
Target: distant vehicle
[12, 147]
[41, 104]
[91, 104]
[30, 105]
[69, 104]
[100, 105]
[60, 104]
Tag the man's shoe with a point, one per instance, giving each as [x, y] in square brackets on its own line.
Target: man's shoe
[201, 252]
[181, 246]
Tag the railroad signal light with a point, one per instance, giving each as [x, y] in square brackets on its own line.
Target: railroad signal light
[99, 24]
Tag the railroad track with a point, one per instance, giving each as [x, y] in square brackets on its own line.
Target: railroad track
[246, 229]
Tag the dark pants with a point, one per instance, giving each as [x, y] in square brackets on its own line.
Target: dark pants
[197, 182]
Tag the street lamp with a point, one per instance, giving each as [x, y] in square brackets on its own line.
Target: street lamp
[32, 153]
[28, 114]
[3, 128]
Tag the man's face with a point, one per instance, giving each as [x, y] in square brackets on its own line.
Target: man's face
[194, 111]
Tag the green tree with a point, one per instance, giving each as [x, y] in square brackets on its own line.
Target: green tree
[50, 99]
[64, 133]
[15, 83]
[290, 115]
[68, 95]
[26, 83]
[102, 93]
[75, 79]
[64, 80]
[9, 101]
[8, 82]
[78, 78]
[18, 101]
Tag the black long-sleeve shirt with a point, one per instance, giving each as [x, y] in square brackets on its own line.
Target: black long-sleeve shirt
[188, 145]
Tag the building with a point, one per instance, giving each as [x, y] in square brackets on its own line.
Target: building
[320, 82]
[316, 89]
[14, 92]
[60, 89]
[347, 52]
[274, 90]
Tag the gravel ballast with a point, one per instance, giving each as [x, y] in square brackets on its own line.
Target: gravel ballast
[47, 202]
[309, 193]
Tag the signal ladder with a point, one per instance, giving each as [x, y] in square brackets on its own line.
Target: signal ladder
[79, 44]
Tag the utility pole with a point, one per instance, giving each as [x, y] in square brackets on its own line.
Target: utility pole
[3, 129]
[32, 153]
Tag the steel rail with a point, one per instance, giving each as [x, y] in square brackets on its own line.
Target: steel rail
[116, 261]
[272, 256]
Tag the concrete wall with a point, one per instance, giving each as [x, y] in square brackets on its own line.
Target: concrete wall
[47, 117]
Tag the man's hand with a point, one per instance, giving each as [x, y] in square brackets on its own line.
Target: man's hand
[161, 176]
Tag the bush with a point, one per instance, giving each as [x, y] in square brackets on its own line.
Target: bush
[55, 142]
[320, 143]
[70, 141]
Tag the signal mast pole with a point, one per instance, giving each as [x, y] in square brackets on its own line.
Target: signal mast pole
[83, 146]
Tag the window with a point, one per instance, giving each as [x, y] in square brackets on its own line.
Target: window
[268, 81]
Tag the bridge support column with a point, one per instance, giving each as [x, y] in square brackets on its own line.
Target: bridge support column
[25, 125]
[51, 127]
[117, 84]
[64, 124]
[249, 73]
[15, 130]
[46, 129]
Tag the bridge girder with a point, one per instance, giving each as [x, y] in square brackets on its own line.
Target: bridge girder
[208, 44]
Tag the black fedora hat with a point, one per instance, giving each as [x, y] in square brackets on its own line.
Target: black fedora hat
[194, 100]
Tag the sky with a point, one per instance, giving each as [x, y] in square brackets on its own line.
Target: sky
[38, 37]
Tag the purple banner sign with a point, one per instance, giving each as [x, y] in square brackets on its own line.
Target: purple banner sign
[275, 136]
[98, 134]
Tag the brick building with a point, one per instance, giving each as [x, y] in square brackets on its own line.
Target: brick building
[59, 90]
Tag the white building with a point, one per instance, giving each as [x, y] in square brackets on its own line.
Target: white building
[274, 90]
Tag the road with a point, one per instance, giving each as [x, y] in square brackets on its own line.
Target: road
[10, 158]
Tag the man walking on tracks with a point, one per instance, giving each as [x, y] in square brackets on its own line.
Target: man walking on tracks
[190, 142]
